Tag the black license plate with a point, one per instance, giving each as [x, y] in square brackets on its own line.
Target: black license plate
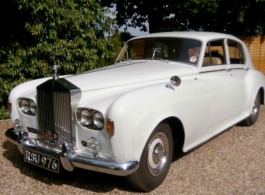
[42, 160]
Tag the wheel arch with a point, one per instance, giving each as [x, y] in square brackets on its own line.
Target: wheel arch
[261, 91]
[178, 133]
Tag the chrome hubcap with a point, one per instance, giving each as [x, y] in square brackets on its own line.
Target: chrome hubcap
[157, 154]
[255, 109]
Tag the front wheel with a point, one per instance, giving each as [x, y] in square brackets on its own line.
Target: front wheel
[155, 160]
[252, 118]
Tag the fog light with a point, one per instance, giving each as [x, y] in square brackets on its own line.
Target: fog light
[93, 145]
[17, 125]
[55, 136]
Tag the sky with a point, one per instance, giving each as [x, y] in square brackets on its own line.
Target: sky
[134, 31]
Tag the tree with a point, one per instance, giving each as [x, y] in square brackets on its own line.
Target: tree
[125, 36]
[38, 34]
[236, 17]
[137, 13]
[116, 46]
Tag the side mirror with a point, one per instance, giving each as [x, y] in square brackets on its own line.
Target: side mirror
[175, 81]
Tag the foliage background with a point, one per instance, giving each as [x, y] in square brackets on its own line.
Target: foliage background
[235, 17]
[37, 34]
[79, 35]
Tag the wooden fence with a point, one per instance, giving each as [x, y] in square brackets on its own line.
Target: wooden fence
[256, 47]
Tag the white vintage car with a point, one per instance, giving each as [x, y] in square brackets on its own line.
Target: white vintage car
[166, 91]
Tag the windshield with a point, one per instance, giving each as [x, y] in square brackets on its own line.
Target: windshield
[173, 49]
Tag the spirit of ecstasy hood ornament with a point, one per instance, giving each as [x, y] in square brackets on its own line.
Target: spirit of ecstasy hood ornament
[54, 72]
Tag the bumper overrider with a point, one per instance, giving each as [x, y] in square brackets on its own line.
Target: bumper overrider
[69, 158]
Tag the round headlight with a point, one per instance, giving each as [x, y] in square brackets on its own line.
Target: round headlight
[86, 118]
[33, 108]
[25, 106]
[98, 120]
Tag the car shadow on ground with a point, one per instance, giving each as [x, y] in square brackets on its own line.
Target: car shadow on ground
[79, 178]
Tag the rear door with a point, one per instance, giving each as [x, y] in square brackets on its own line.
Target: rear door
[223, 93]
[239, 72]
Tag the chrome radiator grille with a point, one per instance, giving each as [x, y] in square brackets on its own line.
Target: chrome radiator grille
[55, 112]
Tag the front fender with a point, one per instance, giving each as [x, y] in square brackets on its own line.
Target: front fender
[28, 90]
[137, 113]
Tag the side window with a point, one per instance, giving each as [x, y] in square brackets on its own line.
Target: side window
[236, 54]
[214, 53]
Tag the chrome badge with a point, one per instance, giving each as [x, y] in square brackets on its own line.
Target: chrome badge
[47, 135]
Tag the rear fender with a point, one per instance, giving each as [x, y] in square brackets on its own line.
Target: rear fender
[253, 86]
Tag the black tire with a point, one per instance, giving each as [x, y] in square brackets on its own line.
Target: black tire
[252, 118]
[155, 160]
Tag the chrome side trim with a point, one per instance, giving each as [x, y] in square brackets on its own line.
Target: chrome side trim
[70, 158]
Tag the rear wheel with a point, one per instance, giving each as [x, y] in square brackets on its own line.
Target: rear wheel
[155, 160]
[252, 118]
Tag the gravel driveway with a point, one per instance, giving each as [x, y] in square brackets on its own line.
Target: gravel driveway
[232, 163]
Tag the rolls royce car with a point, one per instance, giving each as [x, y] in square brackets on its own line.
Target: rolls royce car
[166, 92]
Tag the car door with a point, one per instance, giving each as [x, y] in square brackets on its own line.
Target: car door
[223, 93]
[238, 72]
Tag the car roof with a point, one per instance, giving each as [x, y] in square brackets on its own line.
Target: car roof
[200, 35]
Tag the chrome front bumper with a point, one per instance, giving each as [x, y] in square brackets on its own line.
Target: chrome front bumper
[71, 159]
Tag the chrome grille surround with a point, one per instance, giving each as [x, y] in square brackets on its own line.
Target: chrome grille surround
[56, 102]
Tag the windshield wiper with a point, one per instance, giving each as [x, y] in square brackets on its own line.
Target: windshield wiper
[158, 50]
